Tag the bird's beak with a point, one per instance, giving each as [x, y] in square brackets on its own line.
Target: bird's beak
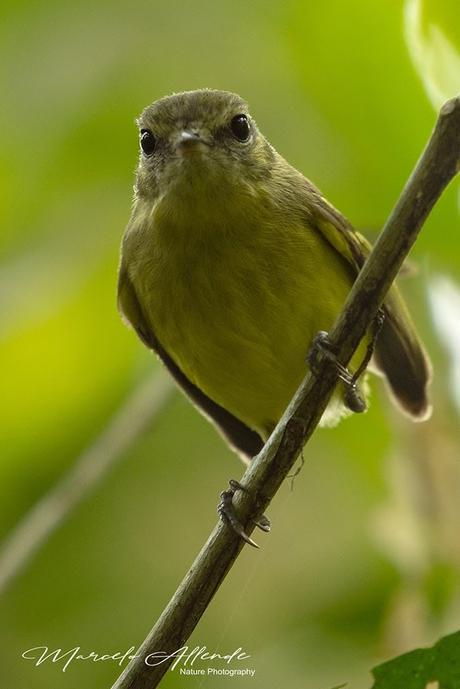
[186, 137]
[190, 142]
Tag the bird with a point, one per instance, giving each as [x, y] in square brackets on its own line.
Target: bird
[233, 261]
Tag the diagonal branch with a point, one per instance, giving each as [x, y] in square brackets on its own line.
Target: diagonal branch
[438, 165]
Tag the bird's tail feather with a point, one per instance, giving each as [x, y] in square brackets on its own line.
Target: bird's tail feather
[400, 356]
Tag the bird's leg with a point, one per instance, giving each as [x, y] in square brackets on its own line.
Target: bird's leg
[322, 345]
[352, 395]
[375, 329]
[353, 398]
[226, 512]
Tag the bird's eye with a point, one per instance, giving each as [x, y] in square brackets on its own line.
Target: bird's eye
[240, 127]
[148, 141]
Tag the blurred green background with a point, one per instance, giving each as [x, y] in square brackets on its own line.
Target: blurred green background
[363, 560]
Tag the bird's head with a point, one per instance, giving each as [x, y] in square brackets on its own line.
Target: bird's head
[200, 140]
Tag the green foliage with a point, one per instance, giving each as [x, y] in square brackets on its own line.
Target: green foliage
[418, 669]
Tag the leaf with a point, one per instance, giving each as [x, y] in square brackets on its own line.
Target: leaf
[422, 668]
[434, 51]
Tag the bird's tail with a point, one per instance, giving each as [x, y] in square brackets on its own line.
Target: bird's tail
[400, 356]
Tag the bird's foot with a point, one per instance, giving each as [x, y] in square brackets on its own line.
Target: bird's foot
[321, 346]
[227, 513]
[374, 329]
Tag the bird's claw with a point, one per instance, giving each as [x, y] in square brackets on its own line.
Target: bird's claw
[321, 345]
[264, 524]
[227, 513]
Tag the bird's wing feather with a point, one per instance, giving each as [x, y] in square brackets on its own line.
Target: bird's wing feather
[399, 353]
[244, 440]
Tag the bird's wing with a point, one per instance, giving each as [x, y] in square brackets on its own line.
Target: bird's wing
[399, 353]
[243, 439]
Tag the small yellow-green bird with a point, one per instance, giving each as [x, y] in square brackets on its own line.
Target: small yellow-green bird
[233, 261]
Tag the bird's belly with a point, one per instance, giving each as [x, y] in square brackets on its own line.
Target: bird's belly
[240, 328]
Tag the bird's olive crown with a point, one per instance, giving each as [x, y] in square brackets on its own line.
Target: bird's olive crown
[216, 115]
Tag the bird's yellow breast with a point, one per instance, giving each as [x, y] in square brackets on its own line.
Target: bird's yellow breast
[236, 299]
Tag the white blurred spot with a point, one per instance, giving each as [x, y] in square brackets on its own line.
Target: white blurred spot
[444, 299]
[434, 57]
